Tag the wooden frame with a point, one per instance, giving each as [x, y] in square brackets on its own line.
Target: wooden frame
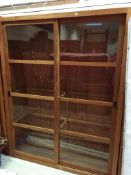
[121, 98]
[82, 101]
[116, 90]
[117, 77]
[93, 64]
[13, 20]
[56, 90]
[11, 61]
[3, 131]
[24, 20]
[2, 112]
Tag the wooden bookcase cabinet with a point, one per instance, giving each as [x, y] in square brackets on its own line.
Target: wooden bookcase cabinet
[63, 81]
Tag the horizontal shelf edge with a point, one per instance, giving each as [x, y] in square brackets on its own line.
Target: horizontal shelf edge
[87, 171]
[62, 118]
[91, 138]
[34, 157]
[83, 101]
[39, 97]
[41, 22]
[84, 122]
[44, 62]
[95, 64]
[34, 128]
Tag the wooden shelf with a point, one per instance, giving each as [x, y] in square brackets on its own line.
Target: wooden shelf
[98, 167]
[87, 137]
[72, 120]
[85, 127]
[63, 99]
[37, 121]
[86, 64]
[83, 122]
[33, 158]
[13, 61]
[31, 96]
[34, 128]
[83, 101]
[34, 143]
[34, 91]
[83, 54]
[88, 95]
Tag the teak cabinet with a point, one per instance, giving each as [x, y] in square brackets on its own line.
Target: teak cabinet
[62, 78]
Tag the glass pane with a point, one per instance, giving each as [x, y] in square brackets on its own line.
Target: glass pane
[91, 83]
[33, 112]
[31, 42]
[87, 119]
[34, 143]
[89, 41]
[32, 79]
[83, 153]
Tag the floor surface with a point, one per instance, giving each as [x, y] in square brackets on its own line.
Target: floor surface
[21, 167]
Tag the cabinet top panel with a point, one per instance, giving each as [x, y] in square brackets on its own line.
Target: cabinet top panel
[74, 13]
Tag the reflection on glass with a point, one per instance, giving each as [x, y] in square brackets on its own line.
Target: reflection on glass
[31, 42]
[34, 143]
[91, 83]
[33, 112]
[85, 154]
[87, 119]
[93, 42]
[32, 79]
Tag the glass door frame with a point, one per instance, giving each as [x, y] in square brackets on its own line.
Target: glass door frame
[7, 61]
[57, 98]
[117, 66]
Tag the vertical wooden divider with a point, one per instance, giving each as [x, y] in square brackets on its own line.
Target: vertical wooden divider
[56, 89]
[6, 86]
[117, 134]
[2, 110]
[116, 90]
[2, 107]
